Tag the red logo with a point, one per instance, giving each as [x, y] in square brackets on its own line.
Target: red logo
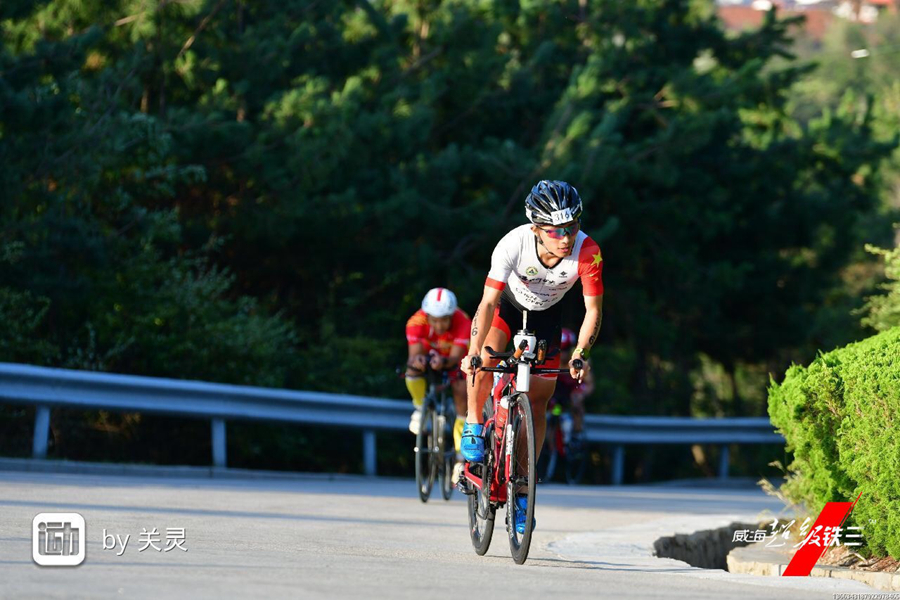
[832, 516]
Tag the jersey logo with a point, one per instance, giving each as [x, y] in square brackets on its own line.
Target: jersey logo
[531, 271]
[559, 217]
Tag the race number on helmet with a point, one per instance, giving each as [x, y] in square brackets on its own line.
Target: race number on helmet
[553, 203]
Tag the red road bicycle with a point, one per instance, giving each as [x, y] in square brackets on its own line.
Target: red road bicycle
[508, 469]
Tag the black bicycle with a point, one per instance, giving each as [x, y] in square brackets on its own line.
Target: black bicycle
[435, 453]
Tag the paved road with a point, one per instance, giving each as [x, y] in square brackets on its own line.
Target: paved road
[349, 537]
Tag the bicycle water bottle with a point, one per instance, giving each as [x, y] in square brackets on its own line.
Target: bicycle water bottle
[523, 370]
[523, 377]
[502, 414]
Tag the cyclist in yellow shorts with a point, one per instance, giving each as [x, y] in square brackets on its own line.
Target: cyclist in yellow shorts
[438, 335]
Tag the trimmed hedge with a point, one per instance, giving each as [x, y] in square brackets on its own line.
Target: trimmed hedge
[840, 417]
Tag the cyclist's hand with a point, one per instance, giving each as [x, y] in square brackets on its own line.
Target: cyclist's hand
[437, 361]
[466, 364]
[575, 373]
[418, 362]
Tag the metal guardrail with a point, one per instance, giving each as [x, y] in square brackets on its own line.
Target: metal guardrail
[47, 388]
[619, 431]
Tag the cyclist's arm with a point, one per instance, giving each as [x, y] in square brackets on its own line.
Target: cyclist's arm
[456, 354]
[416, 358]
[590, 271]
[481, 322]
[503, 260]
[415, 350]
[590, 329]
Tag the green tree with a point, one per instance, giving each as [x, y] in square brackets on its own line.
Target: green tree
[287, 180]
[882, 312]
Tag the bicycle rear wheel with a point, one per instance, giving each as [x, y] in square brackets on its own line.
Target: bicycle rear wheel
[446, 452]
[522, 476]
[425, 466]
[481, 511]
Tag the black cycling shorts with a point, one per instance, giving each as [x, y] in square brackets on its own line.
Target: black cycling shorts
[546, 325]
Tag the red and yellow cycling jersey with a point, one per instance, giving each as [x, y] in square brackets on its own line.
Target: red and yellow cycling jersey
[419, 332]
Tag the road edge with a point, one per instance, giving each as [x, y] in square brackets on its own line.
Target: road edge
[757, 561]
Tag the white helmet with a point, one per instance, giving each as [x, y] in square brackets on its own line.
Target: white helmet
[439, 302]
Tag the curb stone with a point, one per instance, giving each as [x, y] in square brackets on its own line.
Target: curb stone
[632, 547]
[768, 562]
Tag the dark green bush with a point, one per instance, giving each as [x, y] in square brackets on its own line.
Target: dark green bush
[838, 417]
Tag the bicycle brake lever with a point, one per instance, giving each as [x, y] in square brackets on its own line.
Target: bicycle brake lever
[476, 364]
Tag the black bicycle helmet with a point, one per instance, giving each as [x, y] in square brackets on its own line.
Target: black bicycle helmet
[553, 203]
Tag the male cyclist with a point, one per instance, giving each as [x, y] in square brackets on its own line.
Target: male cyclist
[532, 267]
[437, 335]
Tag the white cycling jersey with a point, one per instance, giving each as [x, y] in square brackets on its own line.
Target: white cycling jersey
[534, 286]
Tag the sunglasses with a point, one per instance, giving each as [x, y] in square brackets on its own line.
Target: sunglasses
[558, 233]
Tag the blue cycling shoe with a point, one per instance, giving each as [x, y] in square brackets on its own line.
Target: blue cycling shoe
[521, 508]
[472, 443]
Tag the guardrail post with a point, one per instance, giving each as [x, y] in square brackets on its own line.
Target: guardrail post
[724, 459]
[369, 451]
[618, 472]
[218, 443]
[41, 432]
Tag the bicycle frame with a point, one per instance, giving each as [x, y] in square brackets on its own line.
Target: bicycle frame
[500, 451]
[438, 411]
[508, 472]
[517, 377]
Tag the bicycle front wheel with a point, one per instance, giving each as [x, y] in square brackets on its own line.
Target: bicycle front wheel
[481, 510]
[425, 465]
[522, 477]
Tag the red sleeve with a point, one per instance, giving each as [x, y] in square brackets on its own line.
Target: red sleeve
[460, 328]
[497, 285]
[590, 268]
[417, 328]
